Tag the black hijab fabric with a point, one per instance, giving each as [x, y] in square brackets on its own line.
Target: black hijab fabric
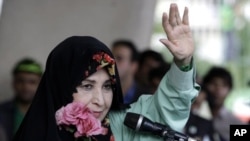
[65, 69]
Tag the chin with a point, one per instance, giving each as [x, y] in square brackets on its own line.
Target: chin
[25, 100]
[101, 118]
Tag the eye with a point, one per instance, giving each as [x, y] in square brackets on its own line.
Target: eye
[107, 86]
[86, 86]
[119, 58]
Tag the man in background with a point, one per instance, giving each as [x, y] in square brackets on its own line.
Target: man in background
[126, 56]
[148, 60]
[26, 76]
[156, 74]
[197, 125]
[218, 83]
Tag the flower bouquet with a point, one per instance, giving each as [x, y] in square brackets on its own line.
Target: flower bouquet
[78, 119]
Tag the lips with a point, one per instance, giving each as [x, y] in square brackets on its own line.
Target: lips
[96, 114]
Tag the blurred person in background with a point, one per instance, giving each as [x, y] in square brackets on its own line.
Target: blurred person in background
[218, 83]
[198, 126]
[148, 60]
[26, 77]
[156, 74]
[126, 56]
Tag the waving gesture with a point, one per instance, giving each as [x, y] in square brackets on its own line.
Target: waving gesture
[179, 37]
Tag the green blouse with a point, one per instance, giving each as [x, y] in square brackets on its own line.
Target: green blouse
[170, 105]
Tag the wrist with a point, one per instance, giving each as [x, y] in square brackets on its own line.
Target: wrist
[184, 65]
[183, 62]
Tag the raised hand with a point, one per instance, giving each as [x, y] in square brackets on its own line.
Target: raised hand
[179, 39]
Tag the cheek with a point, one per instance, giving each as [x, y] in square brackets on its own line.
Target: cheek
[108, 99]
[77, 97]
[127, 64]
[224, 92]
[211, 88]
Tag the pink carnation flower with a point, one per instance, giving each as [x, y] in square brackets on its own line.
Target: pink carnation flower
[80, 116]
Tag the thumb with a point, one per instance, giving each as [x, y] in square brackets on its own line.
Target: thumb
[168, 44]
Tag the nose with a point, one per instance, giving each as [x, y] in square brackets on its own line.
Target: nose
[98, 98]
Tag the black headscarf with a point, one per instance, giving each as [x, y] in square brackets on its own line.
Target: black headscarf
[65, 69]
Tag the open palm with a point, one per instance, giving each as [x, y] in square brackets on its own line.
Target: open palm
[179, 39]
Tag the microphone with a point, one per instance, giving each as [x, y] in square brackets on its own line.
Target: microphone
[141, 123]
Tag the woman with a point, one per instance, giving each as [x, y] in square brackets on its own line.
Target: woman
[82, 70]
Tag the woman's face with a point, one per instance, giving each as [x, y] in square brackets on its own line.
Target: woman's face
[96, 93]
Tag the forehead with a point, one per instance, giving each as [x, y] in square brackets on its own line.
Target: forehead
[217, 80]
[99, 75]
[24, 76]
[122, 48]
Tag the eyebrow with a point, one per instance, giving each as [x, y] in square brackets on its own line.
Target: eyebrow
[89, 80]
[93, 81]
[108, 81]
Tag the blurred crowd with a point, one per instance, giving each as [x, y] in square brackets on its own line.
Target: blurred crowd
[140, 73]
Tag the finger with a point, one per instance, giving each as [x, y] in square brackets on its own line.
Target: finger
[172, 18]
[168, 44]
[185, 19]
[177, 16]
[165, 23]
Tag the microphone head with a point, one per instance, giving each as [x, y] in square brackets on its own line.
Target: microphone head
[138, 122]
[131, 120]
